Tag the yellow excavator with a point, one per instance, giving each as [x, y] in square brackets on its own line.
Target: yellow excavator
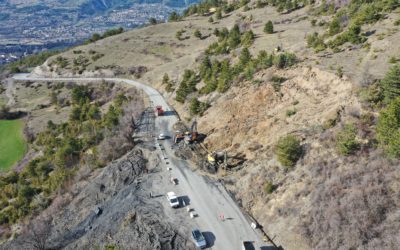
[217, 158]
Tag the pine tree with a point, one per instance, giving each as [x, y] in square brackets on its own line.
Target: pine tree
[244, 57]
[388, 129]
[269, 27]
[194, 106]
[234, 37]
[247, 38]
[205, 68]
[391, 83]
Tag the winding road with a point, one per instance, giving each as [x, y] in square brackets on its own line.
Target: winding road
[207, 197]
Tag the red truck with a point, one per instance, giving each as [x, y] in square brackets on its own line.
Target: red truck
[159, 110]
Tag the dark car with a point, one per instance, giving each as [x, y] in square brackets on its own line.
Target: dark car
[248, 245]
[199, 239]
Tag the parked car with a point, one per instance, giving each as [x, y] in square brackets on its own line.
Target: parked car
[162, 136]
[248, 245]
[173, 199]
[199, 239]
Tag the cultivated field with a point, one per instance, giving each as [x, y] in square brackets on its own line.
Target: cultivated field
[12, 143]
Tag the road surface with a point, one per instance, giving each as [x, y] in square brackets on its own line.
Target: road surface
[207, 197]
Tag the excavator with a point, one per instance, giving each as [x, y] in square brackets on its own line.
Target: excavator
[189, 136]
[192, 135]
[216, 159]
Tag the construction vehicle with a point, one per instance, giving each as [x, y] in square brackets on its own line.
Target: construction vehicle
[192, 135]
[217, 158]
[178, 136]
[159, 111]
[193, 131]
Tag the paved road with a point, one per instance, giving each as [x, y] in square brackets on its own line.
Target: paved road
[206, 196]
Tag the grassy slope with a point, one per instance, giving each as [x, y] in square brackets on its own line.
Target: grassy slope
[12, 143]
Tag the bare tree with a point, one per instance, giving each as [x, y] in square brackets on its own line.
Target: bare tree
[36, 234]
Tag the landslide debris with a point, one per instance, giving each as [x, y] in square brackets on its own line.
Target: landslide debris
[107, 208]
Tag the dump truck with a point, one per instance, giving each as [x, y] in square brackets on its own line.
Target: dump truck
[159, 110]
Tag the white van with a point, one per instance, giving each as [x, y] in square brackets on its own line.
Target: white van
[173, 199]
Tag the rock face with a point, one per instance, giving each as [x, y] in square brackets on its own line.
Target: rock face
[110, 207]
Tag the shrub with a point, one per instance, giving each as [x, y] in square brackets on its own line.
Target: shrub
[261, 4]
[313, 22]
[346, 140]
[288, 150]
[393, 60]
[111, 32]
[291, 112]
[269, 187]
[284, 60]
[197, 34]
[388, 128]
[174, 17]
[218, 14]
[339, 71]
[269, 27]
[152, 21]
[372, 94]
[165, 79]
[277, 82]
[178, 34]
[352, 35]
[334, 27]
[315, 41]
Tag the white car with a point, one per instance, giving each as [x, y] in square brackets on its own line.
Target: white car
[162, 136]
[173, 199]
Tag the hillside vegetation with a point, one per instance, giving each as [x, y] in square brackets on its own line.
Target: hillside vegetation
[303, 95]
[97, 118]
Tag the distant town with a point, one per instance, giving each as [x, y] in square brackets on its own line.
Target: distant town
[24, 34]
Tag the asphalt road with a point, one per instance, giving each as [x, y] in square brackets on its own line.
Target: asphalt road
[206, 196]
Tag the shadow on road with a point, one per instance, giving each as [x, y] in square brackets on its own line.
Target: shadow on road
[169, 113]
[184, 201]
[210, 238]
[269, 248]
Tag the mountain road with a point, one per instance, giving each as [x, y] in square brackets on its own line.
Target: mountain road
[206, 196]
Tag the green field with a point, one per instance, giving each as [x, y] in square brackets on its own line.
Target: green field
[12, 143]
